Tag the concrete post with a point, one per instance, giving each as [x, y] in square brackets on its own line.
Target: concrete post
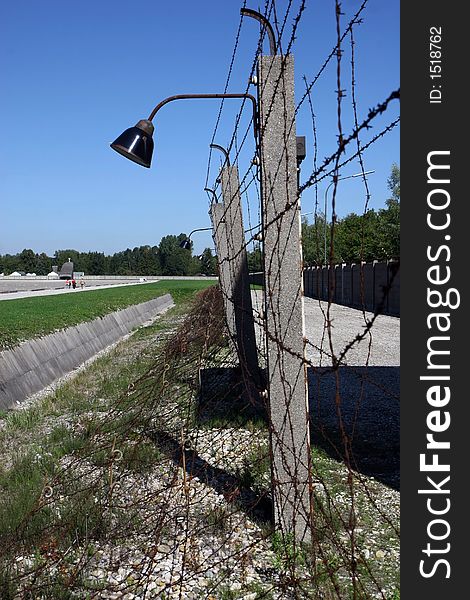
[218, 218]
[239, 277]
[287, 384]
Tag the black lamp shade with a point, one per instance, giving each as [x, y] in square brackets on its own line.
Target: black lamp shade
[136, 143]
[186, 244]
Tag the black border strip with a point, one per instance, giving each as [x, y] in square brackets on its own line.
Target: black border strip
[434, 120]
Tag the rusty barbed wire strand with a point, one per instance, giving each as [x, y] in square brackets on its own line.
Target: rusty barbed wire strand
[373, 113]
[354, 21]
[168, 488]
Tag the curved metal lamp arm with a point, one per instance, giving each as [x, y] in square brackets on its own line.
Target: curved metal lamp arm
[248, 12]
[224, 152]
[215, 199]
[201, 229]
[205, 96]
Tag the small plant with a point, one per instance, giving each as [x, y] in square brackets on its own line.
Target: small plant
[23, 420]
[288, 551]
[256, 467]
[218, 518]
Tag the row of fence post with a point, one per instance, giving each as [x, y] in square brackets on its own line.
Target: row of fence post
[371, 286]
[285, 385]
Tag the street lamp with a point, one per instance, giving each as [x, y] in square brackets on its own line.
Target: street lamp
[186, 243]
[136, 143]
[335, 180]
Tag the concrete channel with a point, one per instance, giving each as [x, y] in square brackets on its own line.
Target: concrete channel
[35, 364]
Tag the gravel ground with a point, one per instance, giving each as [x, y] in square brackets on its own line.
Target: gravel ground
[195, 541]
[346, 324]
[367, 383]
[379, 347]
[363, 396]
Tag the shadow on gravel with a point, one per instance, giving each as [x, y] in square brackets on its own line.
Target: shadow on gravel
[369, 414]
[259, 507]
[224, 397]
[369, 402]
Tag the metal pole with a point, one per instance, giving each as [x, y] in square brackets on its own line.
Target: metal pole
[248, 12]
[212, 192]
[200, 229]
[224, 152]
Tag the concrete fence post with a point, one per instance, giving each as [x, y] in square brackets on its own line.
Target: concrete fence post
[240, 294]
[217, 214]
[287, 386]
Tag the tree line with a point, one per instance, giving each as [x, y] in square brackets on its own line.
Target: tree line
[168, 258]
[374, 235]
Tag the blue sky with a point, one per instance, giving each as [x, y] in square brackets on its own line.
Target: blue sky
[74, 75]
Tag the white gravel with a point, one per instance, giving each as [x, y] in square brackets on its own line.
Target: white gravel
[383, 340]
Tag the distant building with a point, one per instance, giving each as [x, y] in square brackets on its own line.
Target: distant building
[66, 271]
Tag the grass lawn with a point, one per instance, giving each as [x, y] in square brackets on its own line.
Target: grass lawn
[26, 318]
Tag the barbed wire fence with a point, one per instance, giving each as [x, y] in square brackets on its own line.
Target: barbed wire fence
[248, 461]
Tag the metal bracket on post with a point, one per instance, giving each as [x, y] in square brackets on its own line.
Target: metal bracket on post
[215, 200]
[301, 149]
[248, 12]
[301, 154]
[224, 152]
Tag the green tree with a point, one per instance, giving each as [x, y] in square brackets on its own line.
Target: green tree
[374, 235]
[147, 260]
[61, 256]
[173, 259]
[95, 264]
[10, 263]
[313, 241]
[356, 238]
[208, 262]
[43, 264]
[255, 260]
[393, 182]
[27, 260]
[388, 227]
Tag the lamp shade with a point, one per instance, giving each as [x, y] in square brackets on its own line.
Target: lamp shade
[186, 244]
[136, 143]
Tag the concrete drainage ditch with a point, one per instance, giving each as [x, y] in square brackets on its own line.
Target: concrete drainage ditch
[35, 364]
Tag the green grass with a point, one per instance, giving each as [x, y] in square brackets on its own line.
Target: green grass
[27, 318]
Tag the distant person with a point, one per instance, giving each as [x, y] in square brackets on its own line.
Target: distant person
[74, 283]
[82, 283]
[68, 283]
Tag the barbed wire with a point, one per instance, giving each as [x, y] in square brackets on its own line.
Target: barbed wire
[162, 476]
[227, 82]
